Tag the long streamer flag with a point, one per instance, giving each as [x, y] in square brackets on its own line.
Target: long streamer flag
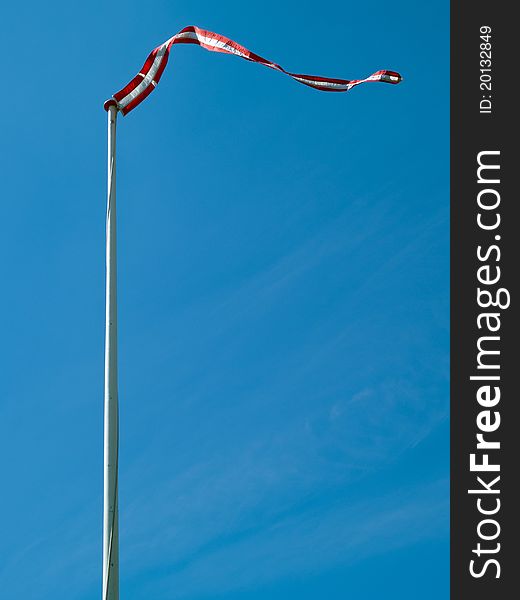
[149, 76]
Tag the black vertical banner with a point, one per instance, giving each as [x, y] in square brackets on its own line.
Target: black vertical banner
[485, 339]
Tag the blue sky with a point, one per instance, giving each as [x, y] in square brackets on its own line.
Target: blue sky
[283, 282]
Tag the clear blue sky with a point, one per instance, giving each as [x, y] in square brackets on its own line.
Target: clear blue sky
[283, 282]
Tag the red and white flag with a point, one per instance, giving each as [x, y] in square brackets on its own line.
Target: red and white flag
[150, 74]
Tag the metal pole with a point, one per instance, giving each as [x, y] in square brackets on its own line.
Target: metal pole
[111, 442]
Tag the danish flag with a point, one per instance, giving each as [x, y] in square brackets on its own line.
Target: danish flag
[150, 74]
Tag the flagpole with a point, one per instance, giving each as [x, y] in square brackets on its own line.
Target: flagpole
[111, 412]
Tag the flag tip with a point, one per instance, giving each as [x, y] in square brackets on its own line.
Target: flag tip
[108, 103]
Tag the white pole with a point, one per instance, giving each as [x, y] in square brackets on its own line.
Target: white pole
[110, 504]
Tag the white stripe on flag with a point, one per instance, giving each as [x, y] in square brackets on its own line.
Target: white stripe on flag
[209, 41]
[147, 79]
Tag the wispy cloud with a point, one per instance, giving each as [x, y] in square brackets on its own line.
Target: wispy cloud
[256, 464]
[309, 542]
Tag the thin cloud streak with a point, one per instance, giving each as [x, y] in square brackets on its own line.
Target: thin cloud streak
[310, 543]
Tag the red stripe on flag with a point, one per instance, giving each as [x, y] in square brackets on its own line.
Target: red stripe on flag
[162, 66]
[130, 87]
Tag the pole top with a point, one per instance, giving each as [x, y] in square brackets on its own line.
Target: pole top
[108, 103]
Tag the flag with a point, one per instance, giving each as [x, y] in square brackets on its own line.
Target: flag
[149, 76]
